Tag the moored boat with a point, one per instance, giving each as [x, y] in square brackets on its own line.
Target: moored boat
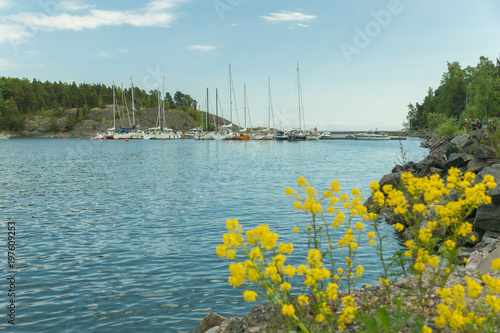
[372, 135]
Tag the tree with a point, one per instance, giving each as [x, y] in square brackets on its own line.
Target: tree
[451, 93]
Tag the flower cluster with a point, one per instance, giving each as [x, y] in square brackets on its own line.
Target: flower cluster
[435, 220]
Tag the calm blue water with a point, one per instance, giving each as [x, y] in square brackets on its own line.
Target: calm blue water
[121, 236]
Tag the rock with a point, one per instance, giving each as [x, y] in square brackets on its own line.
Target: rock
[393, 179]
[475, 165]
[210, 321]
[488, 218]
[484, 152]
[485, 265]
[213, 330]
[451, 148]
[462, 141]
[493, 170]
[475, 259]
[390, 217]
[458, 160]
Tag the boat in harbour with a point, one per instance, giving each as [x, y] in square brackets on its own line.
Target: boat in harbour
[372, 135]
[298, 134]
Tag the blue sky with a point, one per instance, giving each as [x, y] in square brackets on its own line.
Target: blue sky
[361, 62]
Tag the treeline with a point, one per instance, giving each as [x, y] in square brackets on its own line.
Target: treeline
[464, 93]
[21, 99]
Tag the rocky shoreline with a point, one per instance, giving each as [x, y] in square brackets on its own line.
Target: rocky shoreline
[467, 152]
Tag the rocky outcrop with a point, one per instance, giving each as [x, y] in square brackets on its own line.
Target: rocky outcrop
[468, 153]
[81, 123]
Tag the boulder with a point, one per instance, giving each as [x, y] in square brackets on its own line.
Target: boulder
[493, 170]
[484, 152]
[475, 259]
[485, 265]
[475, 165]
[210, 321]
[488, 218]
[451, 148]
[462, 141]
[393, 179]
[458, 160]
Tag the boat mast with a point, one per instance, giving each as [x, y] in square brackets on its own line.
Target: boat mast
[298, 94]
[123, 109]
[133, 105]
[216, 111]
[206, 117]
[163, 125]
[245, 104]
[230, 96]
[114, 111]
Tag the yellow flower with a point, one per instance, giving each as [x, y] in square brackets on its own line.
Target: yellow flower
[249, 296]
[297, 205]
[288, 309]
[295, 230]
[303, 300]
[426, 329]
[433, 261]
[285, 248]
[495, 265]
[359, 226]
[285, 286]
[419, 266]
[473, 288]
[288, 191]
[384, 281]
[301, 181]
[320, 318]
[399, 227]
[289, 270]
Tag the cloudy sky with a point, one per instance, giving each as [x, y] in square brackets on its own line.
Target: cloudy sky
[361, 61]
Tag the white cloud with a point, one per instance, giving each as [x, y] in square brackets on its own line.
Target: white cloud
[285, 16]
[4, 4]
[157, 13]
[6, 64]
[74, 5]
[14, 33]
[104, 54]
[204, 48]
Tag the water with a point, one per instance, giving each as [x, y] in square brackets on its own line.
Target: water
[121, 236]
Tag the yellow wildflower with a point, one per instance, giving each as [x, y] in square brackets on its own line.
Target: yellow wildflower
[399, 227]
[295, 230]
[249, 296]
[285, 286]
[303, 300]
[288, 309]
[495, 265]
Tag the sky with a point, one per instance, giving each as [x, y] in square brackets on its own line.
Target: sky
[361, 62]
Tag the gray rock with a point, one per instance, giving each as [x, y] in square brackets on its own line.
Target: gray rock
[488, 218]
[484, 152]
[475, 259]
[493, 170]
[475, 165]
[485, 265]
[458, 160]
[462, 141]
[393, 179]
[451, 148]
[210, 321]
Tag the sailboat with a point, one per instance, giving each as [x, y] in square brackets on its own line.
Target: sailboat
[162, 131]
[110, 132]
[267, 134]
[208, 135]
[298, 134]
[243, 135]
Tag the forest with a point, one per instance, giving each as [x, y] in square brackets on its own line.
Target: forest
[21, 99]
[464, 93]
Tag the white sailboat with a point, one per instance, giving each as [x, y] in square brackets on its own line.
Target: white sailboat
[268, 134]
[298, 134]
